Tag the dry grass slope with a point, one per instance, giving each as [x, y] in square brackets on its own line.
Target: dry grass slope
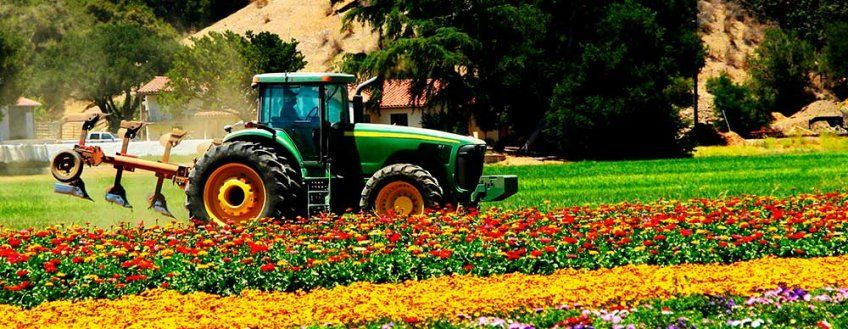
[313, 23]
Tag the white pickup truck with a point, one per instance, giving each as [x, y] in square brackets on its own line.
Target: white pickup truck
[97, 137]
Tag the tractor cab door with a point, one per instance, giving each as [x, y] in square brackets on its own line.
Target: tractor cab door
[295, 109]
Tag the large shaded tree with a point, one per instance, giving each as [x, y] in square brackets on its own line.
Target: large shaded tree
[119, 58]
[585, 71]
[11, 64]
[614, 100]
[215, 71]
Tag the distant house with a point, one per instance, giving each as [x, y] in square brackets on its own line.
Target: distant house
[151, 109]
[398, 106]
[18, 120]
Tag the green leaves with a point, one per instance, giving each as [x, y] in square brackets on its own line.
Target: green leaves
[214, 73]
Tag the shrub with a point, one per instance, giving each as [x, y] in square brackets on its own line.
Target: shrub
[780, 71]
[735, 106]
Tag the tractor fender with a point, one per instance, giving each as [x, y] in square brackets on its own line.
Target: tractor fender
[281, 144]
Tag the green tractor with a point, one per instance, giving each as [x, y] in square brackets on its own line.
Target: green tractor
[308, 152]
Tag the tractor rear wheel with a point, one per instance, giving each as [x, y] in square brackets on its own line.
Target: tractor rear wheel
[404, 189]
[240, 182]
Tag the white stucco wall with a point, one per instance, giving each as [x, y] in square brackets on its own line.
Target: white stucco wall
[155, 110]
[4, 123]
[413, 116]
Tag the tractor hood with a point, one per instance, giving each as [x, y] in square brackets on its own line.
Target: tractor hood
[404, 132]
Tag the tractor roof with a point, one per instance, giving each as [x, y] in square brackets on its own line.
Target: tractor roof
[303, 78]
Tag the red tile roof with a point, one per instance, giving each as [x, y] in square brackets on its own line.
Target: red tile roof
[23, 101]
[396, 95]
[154, 86]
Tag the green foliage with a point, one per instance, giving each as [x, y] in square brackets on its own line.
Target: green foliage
[215, 72]
[737, 104]
[461, 55]
[617, 101]
[11, 64]
[780, 71]
[835, 57]
[806, 18]
[118, 59]
[465, 57]
[90, 50]
[186, 15]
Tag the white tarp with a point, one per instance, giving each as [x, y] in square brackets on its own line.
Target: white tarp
[11, 153]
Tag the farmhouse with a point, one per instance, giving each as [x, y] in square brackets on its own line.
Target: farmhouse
[398, 106]
[18, 120]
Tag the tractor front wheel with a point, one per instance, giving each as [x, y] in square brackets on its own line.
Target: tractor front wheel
[240, 182]
[403, 189]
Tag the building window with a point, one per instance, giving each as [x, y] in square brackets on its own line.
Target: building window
[399, 119]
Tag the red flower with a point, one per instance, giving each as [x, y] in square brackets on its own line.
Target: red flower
[515, 254]
[394, 237]
[411, 320]
[659, 237]
[569, 240]
[796, 236]
[536, 253]
[49, 267]
[267, 267]
[685, 232]
[135, 277]
[22, 273]
[468, 267]
[441, 253]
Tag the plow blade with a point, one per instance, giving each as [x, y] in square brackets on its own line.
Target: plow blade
[117, 195]
[158, 203]
[75, 188]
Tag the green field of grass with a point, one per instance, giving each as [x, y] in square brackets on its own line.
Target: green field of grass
[28, 201]
[604, 182]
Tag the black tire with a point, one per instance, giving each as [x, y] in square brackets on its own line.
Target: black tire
[426, 184]
[283, 191]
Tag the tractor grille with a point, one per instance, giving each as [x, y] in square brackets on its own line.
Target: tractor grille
[469, 165]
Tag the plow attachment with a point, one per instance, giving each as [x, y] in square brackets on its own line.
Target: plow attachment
[67, 166]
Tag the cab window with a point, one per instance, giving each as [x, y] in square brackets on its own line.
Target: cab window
[283, 105]
[335, 96]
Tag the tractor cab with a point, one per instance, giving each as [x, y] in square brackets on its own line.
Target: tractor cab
[306, 106]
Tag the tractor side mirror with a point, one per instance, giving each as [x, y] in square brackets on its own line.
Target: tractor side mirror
[358, 108]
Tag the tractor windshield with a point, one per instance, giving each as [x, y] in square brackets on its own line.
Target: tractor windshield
[283, 105]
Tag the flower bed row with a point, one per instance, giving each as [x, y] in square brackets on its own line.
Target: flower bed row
[87, 262]
[453, 299]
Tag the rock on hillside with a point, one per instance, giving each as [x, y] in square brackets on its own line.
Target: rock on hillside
[730, 35]
[313, 23]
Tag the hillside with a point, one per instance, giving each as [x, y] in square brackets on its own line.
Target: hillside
[730, 35]
[313, 23]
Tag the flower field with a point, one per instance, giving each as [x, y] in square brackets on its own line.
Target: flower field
[443, 266]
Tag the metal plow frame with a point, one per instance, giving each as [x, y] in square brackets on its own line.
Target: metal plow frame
[67, 165]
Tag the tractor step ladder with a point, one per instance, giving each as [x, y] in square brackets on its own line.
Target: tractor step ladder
[318, 194]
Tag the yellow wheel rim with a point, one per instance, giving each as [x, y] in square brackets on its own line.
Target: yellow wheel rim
[234, 192]
[399, 197]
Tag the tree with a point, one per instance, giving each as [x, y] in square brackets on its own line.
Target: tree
[11, 64]
[835, 57]
[780, 69]
[216, 71]
[737, 104]
[460, 55]
[118, 59]
[807, 19]
[616, 100]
